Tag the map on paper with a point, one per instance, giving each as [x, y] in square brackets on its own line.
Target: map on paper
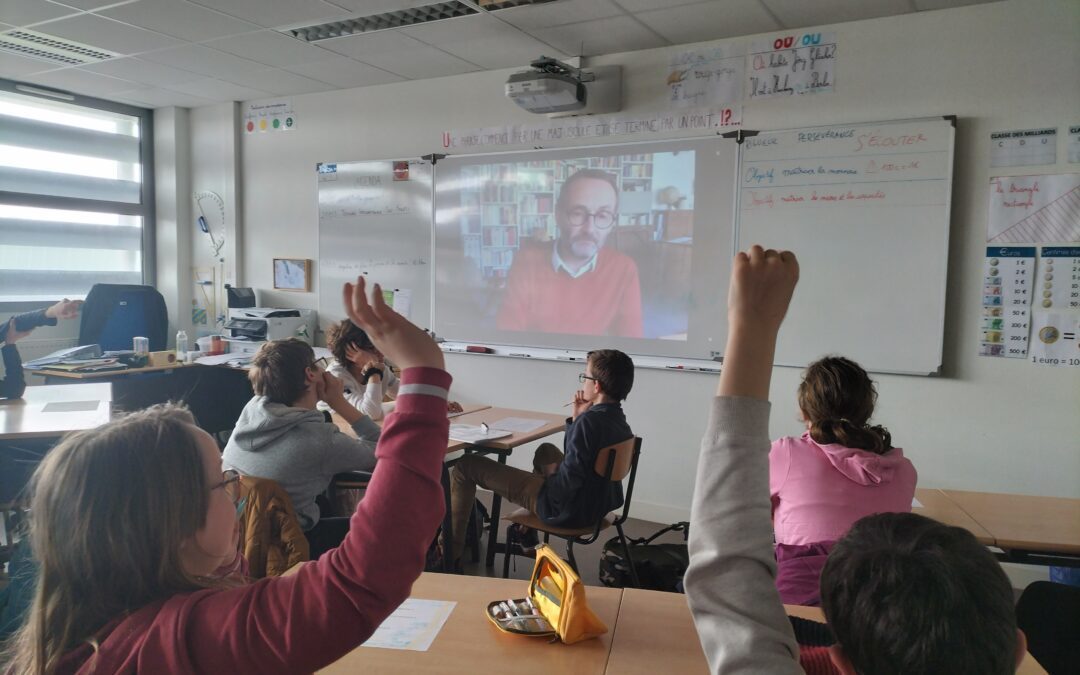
[1034, 209]
[413, 626]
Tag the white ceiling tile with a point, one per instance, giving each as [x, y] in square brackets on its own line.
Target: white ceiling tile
[647, 5]
[559, 13]
[142, 71]
[369, 7]
[379, 42]
[178, 19]
[603, 36]
[271, 48]
[81, 82]
[26, 12]
[17, 66]
[218, 90]
[709, 21]
[346, 73]
[505, 51]
[926, 5]
[420, 63]
[152, 97]
[107, 34]
[277, 13]
[282, 82]
[204, 60]
[802, 14]
[93, 4]
[459, 28]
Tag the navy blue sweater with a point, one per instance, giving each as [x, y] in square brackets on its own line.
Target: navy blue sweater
[575, 495]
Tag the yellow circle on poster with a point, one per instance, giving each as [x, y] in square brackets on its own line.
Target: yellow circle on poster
[262, 125]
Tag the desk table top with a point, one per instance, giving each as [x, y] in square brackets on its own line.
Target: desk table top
[54, 410]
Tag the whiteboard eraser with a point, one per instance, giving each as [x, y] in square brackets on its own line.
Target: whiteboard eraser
[477, 349]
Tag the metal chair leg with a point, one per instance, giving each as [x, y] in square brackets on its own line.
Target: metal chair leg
[477, 532]
[570, 556]
[629, 559]
[507, 552]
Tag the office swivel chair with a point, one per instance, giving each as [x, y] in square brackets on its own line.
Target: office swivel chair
[115, 313]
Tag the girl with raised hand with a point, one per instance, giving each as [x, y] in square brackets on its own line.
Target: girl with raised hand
[130, 520]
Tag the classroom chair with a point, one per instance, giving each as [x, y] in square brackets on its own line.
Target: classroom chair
[115, 313]
[614, 463]
[270, 534]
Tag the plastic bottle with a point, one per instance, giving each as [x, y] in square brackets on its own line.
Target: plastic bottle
[181, 346]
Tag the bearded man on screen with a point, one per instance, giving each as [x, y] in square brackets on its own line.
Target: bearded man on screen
[577, 285]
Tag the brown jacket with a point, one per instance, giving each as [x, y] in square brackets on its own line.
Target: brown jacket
[270, 533]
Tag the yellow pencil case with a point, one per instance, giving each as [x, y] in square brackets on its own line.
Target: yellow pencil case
[556, 604]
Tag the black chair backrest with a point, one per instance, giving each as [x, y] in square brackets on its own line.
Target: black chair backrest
[115, 313]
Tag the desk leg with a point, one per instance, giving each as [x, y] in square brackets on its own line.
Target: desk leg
[448, 521]
[493, 529]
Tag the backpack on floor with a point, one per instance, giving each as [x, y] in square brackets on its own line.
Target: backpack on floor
[660, 567]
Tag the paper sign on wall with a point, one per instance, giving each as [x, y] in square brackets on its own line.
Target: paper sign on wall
[1054, 339]
[1008, 275]
[269, 116]
[706, 76]
[791, 64]
[1023, 147]
[1034, 209]
[1073, 150]
[1058, 284]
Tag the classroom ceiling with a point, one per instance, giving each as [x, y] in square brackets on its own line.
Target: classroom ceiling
[190, 53]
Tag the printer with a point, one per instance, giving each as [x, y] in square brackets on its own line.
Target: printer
[248, 327]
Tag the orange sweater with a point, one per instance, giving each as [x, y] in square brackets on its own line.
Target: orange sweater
[603, 301]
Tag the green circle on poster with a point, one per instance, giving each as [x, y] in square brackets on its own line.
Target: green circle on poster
[288, 121]
[277, 123]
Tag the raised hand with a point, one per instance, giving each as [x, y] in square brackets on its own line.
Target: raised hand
[13, 334]
[65, 309]
[400, 341]
[762, 283]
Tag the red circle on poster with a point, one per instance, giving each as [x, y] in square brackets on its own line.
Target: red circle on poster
[251, 126]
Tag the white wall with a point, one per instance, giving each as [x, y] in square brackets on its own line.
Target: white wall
[985, 424]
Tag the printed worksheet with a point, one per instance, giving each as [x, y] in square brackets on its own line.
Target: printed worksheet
[1034, 209]
[413, 626]
[1054, 339]
[1058, 283]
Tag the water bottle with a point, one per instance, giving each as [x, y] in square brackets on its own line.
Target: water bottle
[181, 346]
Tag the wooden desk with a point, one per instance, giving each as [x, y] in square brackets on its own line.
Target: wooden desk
[655, 634]
[50, 375]
[1024, 524]
[39, 413]
[344, 426]
[936, 505]
[468, 643]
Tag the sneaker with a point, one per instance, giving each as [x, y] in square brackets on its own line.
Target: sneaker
[524, 537]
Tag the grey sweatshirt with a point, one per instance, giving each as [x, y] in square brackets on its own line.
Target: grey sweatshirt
[299, 449]
[730, 583]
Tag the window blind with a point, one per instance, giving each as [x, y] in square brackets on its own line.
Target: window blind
[73, 197]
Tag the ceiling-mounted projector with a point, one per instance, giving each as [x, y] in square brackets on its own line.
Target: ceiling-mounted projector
[550, 87]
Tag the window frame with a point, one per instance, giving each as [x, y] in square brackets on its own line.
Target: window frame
[146, 208]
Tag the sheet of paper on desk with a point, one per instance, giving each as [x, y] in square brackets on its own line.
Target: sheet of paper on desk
[915, 503]
[518, 425]
[471, 433]
[412, 626]
[70, 406]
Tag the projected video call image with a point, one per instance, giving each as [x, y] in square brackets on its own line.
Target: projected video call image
[576, 246]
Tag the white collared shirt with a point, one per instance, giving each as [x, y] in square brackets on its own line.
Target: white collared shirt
[557, 263]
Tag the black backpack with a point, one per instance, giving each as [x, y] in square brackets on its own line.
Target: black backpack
[660, 567]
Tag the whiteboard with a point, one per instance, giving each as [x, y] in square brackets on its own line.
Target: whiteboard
[866, 209]
[375, 220]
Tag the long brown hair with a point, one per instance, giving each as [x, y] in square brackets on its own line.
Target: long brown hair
[110, 508]
[837, 398]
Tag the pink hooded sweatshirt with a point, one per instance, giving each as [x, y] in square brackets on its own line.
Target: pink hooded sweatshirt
[819, 491]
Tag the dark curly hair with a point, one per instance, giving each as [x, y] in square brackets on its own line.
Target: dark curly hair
[345, 333]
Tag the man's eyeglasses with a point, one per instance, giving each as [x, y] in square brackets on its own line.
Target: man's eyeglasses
[601, 220]
[582, 377]
[320, 364]
[230, 483]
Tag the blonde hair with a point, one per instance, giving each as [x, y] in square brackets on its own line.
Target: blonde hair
[110, 508]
